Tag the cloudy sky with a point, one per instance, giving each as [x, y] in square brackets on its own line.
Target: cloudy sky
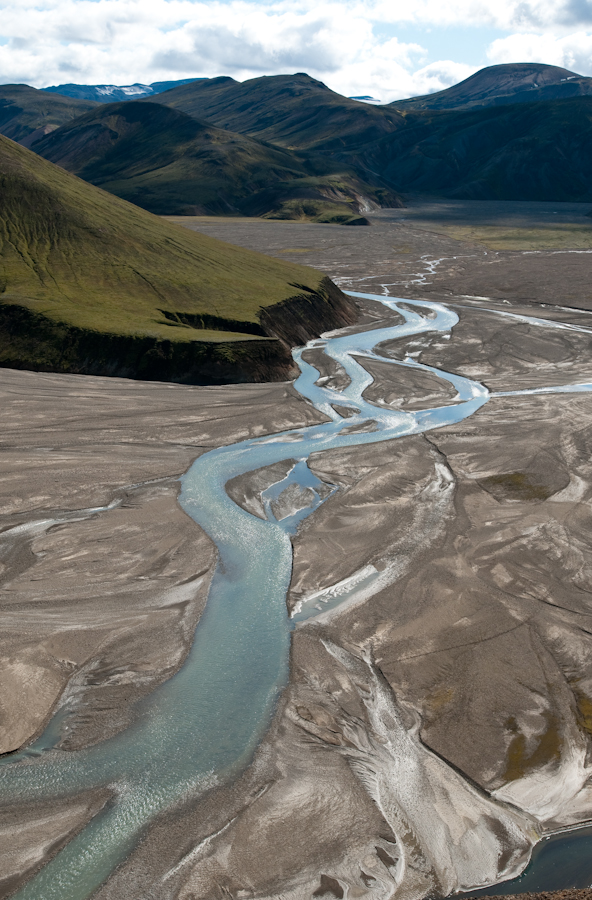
[386, 48]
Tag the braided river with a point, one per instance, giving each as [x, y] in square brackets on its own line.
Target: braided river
[201, 727]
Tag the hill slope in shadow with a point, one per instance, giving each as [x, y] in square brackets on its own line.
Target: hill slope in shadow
[172, 164]
[538, 151]
[27, 114]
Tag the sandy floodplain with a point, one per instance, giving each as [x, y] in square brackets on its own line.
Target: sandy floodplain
[436, 724]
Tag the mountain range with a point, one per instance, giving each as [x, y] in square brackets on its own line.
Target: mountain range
[287, 146]
[171, 163]
[109, 93]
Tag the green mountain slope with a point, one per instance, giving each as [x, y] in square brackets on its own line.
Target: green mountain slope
[498, 147]
[170, 163]
[508, 83]
[91, 283]
[536, 151]
[293, 111]
[26, 114]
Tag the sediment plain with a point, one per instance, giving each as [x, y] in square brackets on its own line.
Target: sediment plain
[433, 729]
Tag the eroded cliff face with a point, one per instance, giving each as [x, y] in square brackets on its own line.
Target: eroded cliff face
[30, 340]
[309, 313]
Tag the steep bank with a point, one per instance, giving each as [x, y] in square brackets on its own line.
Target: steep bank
[30, 340]
[92, 284]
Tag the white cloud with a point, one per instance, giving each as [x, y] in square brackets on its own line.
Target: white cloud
[341, 43]
[571, 51]
[121, 41]
[257, 42]
[510, 15]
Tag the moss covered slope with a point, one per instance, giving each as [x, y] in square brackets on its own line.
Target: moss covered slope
[76, 259]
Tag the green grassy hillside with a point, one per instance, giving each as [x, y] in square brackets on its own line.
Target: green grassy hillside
[76, 259]
[26, 114]
[172, 164]
[293, 111]
[535, 151]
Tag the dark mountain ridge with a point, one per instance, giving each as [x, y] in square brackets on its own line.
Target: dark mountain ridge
[293, 111]
[503, 84]
[539, 151]
[27, 114]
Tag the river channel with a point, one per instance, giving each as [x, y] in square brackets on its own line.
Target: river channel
[201, 727]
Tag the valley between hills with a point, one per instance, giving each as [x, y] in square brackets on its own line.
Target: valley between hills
[279, 622]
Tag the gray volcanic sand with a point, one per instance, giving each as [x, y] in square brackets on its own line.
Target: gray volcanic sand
[399, 255]
[429, 213]
[471, 658]
[103, 605]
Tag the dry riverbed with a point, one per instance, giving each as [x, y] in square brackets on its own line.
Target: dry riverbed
[471, 660]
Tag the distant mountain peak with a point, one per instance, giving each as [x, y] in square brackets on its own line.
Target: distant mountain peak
[132, 90]
[108, 93]
[503, 84]
[365, 98]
